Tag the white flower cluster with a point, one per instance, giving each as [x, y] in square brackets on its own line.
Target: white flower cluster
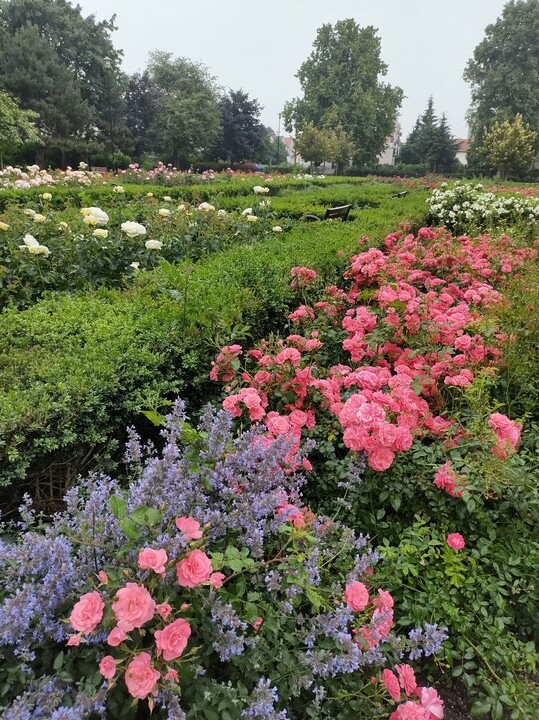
[466, 207]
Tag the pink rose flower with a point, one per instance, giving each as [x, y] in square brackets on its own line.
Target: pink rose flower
[216, 580]
[73, 640]
[432, 703]
[406, 678]
[409, 711]
[356, 596]
[258, 624]
[149, 559]
[107, 667]
[392, 684]
[164, 609]
[193, 570]
[189, 527]
[133, 607]
[102, 576]
[455, 541]
[140, 676]
[87, 612]
[380, 458]
[172, 640]
[115, 637]
[172, 675]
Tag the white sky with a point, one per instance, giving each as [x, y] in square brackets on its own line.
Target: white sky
[259, 46]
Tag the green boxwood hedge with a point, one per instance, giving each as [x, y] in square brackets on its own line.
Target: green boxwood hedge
[75, 371]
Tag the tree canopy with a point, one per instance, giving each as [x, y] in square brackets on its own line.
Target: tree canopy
[430, 143]
[509, 147]
[188, 121]
[341, 84]
[504, 70]
[242, 136]
[58, 63]
[16, 125]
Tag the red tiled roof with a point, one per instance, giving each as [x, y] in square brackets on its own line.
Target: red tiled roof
[463, 145]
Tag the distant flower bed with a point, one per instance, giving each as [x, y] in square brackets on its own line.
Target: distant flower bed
[465, 206]
[44, 248]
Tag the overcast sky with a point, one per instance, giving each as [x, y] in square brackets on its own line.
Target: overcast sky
[259, 46]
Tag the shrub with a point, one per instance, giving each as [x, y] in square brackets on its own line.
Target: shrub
[205, 588]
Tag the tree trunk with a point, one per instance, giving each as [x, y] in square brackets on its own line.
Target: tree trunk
[40, 156]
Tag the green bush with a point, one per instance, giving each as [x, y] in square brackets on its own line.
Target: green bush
[76, 370]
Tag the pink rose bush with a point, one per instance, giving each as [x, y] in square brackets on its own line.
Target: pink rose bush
[402, 353]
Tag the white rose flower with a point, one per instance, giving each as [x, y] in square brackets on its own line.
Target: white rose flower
[164, 212]
[46, 196]
[222, 213]
[40, 250]
[251, 218]
[4, 226]
[29, 212]
[132, 229]
[119, 190]
[33, 247]
[149, 194]
[247, 211]
[206, 207]
[181, 208]
[63, 226]
[96, 215]
[100, 233]
[135, 265]
[39, 218]
[167, 198]
[258, 189]
[153, 245]
[277, 228]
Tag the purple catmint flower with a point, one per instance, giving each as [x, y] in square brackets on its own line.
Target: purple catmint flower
[426, 640]
[263, 700]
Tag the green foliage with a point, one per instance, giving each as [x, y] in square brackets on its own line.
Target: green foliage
[75, 371]
[509, 147]
[242, 135]
[341, 85]
[58, 63]
[16, 126]
[188, 121]
[430, 143]
[313, 144]
[503, 70]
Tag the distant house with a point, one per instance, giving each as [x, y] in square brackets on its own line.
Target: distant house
[391, 152]
[462, 145]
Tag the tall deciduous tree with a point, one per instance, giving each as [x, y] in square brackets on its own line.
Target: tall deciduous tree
[16, 126]
[59, 64]
[189, 120]
[504, 70]
[509, 147]
[242, 135]
[143, 100]
[341, 84]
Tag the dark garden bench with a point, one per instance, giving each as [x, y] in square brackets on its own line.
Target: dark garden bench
[399, 194]
[336, 213]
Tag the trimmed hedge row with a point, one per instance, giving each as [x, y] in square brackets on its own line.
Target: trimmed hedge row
[196, 193]
[76, 370]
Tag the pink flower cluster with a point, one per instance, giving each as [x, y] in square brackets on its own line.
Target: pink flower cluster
[417, 337]
[133, 607]
[507, 435]
[429, 705]
[302, 277]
